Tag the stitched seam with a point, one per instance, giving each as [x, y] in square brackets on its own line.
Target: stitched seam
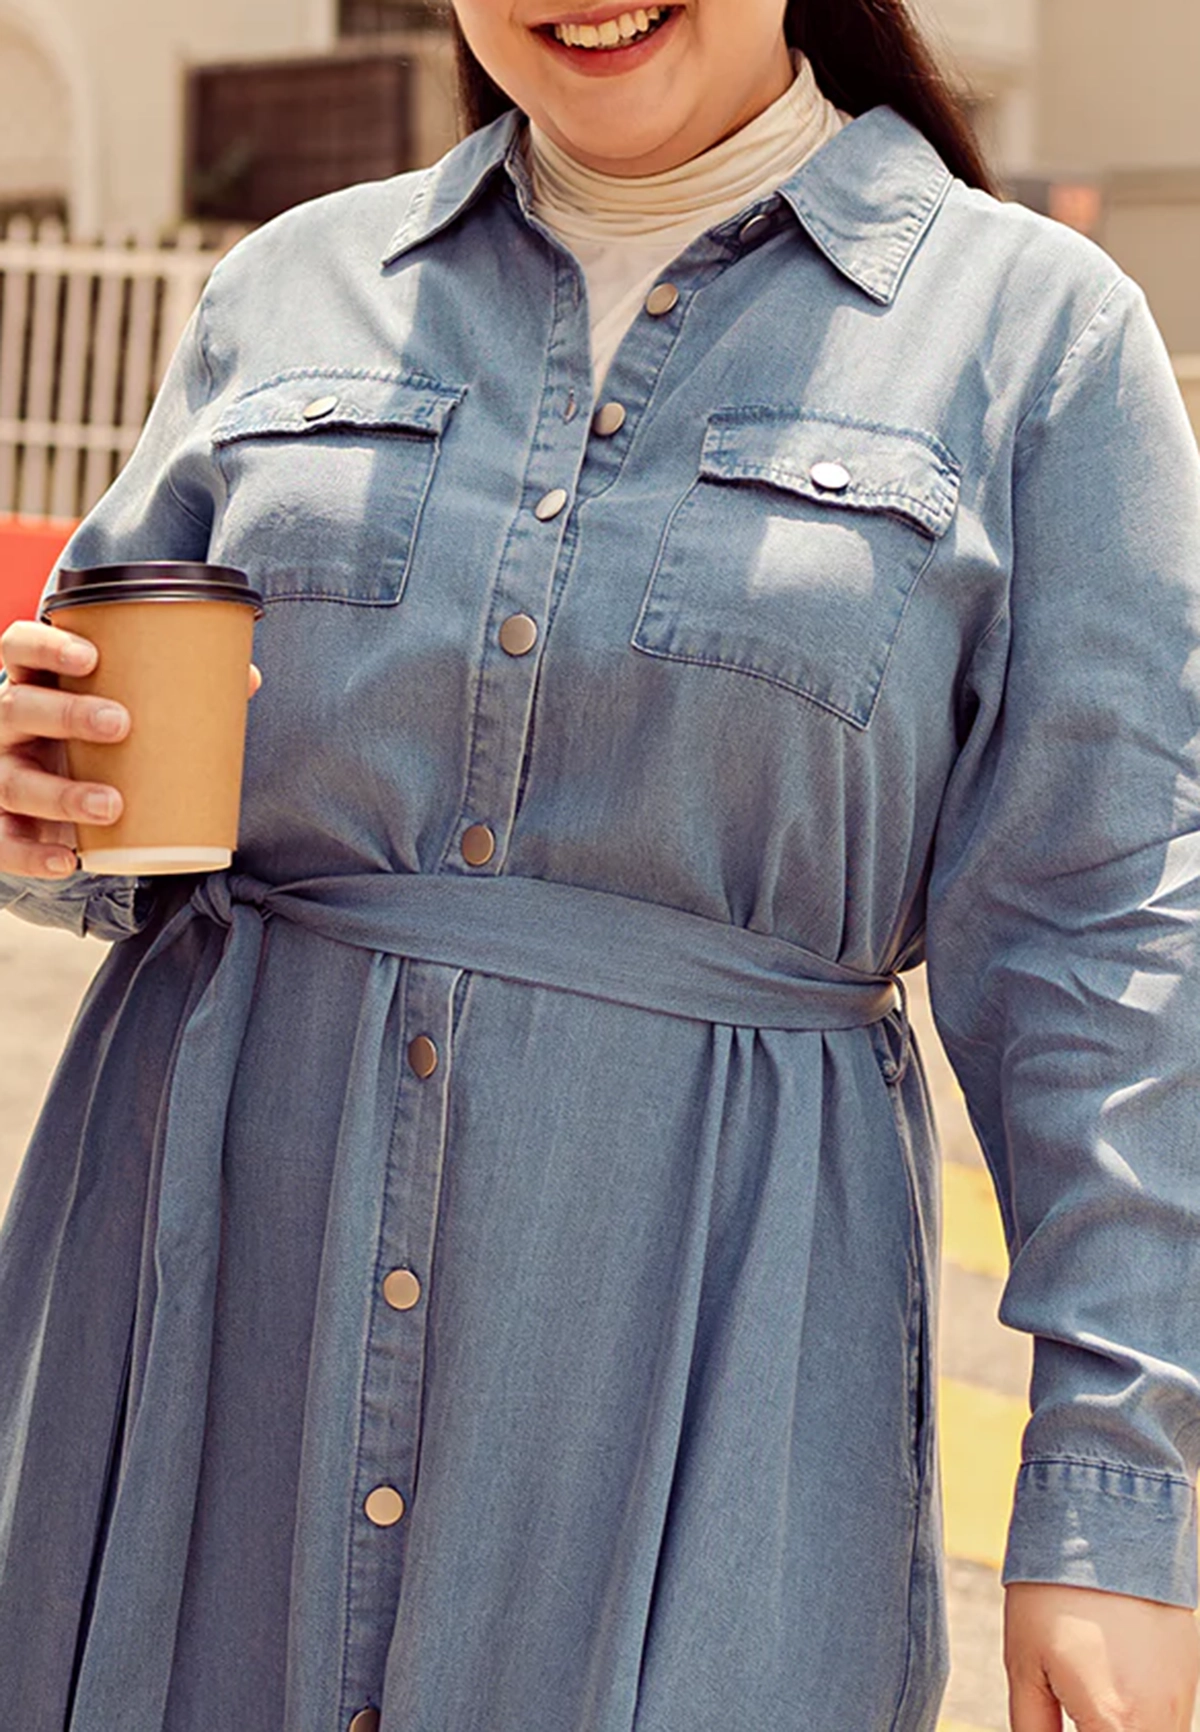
[644, 416]
[892, 641]
[934, 518]
[384, 376]
[758, 414]
[1073, 349]
[1154, 1475]
[202, 351]
[513, 534]
[882, 281]
[699, 661]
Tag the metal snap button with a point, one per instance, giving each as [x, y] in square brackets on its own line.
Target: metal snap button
[518, 634]
[422, 1057]
[384, 1507]
[478, 845]
[610, 419]
[755, 229]
[830, 477]
[664, 299]
[402, 1290]
[366, 1721]
[552, 505]
[319, 408]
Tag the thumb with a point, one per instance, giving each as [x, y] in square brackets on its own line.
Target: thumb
[1033, 1706]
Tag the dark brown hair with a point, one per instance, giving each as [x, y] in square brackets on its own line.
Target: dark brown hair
[864, 53]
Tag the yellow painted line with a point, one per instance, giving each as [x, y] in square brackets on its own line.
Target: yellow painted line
[973, 1236]
[981, 1452]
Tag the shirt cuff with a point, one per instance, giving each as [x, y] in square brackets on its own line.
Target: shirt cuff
[88, 906]
[1092, 1524]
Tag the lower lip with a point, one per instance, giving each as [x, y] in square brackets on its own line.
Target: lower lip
[611, 62]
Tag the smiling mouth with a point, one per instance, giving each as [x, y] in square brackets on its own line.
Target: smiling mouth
[622, 30]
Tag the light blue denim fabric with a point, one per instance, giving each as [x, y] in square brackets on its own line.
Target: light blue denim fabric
[662, 1418]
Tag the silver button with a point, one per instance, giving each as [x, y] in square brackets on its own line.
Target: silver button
[663, 299]
[755, 228]
[518, 635]
[610, 419]
[830, 477]
[384, 1507]
[320, 407]
[552, 505]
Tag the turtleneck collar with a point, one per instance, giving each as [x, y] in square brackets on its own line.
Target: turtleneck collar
[579, 203]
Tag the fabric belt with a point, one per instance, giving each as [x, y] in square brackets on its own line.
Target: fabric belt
[592, 942]
[577, 940]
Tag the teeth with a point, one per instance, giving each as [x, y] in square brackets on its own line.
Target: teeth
[613, 32]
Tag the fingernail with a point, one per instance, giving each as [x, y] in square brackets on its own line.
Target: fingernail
[99, 805]
[61, 865]
[108, 719]
[77, 657]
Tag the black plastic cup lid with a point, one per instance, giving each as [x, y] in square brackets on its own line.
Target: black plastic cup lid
[152, 580]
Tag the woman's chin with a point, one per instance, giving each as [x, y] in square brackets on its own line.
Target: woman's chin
[618, 140]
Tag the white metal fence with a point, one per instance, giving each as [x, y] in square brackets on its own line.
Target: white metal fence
[86, 332]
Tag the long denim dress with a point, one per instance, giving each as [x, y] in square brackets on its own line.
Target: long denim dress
[475, 1270]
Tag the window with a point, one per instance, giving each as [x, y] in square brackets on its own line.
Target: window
[263, 136]
[378, 17]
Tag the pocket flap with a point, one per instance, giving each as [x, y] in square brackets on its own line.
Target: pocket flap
[311, 402]
[852, 465]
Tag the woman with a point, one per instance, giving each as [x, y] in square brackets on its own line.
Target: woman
[475, 1267]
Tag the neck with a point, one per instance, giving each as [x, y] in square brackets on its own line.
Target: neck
[766, 151]
[694, 139]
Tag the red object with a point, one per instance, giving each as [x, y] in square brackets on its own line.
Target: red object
[28, 550]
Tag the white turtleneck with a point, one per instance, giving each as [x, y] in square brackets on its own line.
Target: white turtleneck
[624, 232]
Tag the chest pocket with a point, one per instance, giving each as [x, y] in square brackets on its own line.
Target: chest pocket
[794, 555]
[327, 476]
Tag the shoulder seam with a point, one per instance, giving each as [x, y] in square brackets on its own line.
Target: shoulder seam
[1094, 317]
[202, 351]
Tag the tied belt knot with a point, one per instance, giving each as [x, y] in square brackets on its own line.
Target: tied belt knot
[573, 939]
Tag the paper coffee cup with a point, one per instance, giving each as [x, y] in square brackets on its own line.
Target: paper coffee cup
[174, 644]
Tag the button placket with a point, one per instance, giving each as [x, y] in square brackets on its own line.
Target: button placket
[387, 1464]
[519, 605]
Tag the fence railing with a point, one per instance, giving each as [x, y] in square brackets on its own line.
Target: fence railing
[86, 332]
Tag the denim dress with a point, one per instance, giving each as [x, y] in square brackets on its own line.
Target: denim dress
[475, 1269]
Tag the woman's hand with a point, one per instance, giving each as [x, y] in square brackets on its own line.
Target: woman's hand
[39, 804]
[1112, 1663]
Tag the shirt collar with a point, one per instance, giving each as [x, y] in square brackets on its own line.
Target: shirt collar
[866, 199]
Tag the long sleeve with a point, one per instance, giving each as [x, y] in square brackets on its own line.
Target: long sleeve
[159, 508]
[1064, 951]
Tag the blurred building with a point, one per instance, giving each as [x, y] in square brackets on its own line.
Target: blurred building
[135, 112]
[1091, 112]
[992, 45]
[98, 97]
